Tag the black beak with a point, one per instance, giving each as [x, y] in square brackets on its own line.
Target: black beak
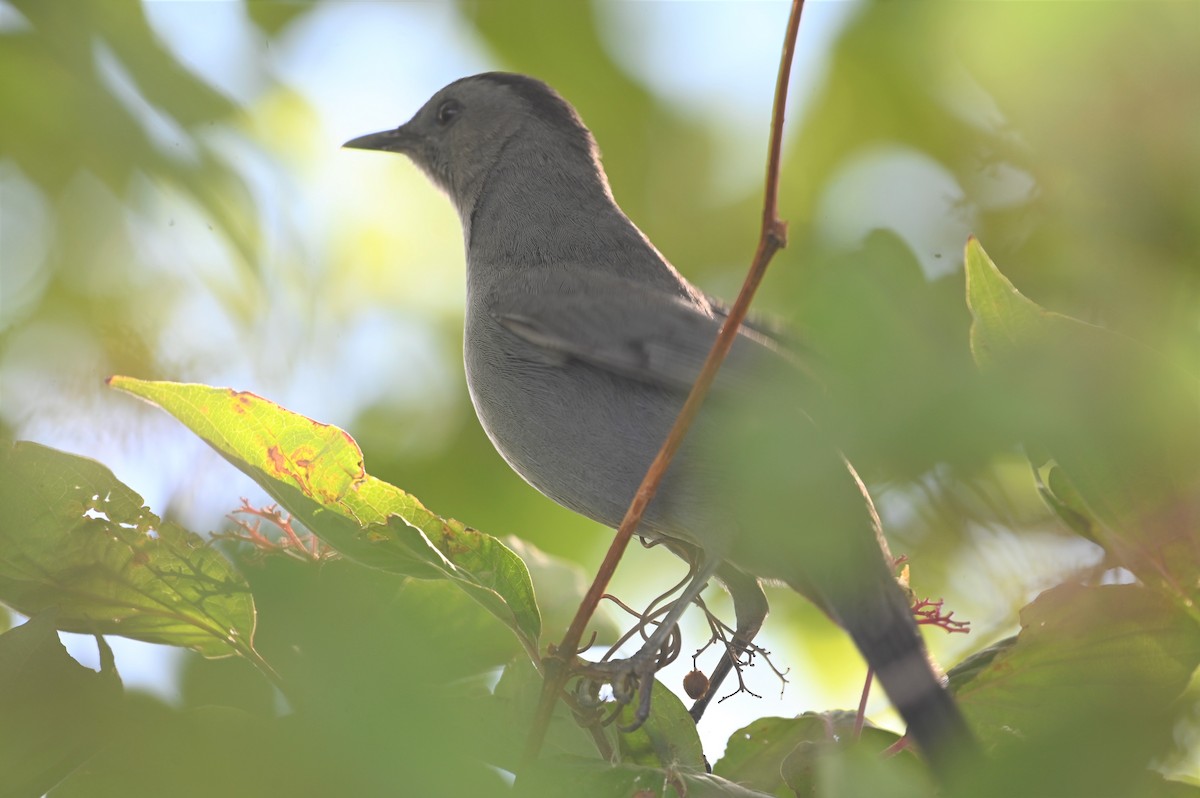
[397, 140]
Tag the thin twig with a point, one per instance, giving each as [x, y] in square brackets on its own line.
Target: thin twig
[860, 717]
[772, 238]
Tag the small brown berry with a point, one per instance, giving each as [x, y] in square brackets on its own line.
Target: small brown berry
[695, 684]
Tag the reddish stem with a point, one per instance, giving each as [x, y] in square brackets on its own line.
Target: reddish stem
[772, 238]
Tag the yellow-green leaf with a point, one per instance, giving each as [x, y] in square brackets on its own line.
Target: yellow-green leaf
[1005, 321]
[316, 471]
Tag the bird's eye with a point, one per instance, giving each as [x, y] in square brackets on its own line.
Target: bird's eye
[447, 111]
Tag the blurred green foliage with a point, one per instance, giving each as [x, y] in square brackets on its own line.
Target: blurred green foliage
[1065, 136]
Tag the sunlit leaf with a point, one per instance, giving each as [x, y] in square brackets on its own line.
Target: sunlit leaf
[316, 471]
[1005, 321]
[56, 712]
[76, 539]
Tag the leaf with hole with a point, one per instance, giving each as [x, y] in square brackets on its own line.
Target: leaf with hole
[76, 539]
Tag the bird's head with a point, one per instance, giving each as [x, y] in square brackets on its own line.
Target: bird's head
[459, 136]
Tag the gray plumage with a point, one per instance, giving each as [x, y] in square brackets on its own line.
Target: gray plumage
[581, 344]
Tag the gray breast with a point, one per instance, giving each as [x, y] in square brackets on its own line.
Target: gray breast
[582, 436]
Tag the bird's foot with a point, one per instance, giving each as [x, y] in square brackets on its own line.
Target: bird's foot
[631, 679]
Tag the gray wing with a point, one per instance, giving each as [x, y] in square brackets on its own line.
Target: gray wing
[633, 330]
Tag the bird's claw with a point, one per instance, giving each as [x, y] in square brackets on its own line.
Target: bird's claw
[629, 678]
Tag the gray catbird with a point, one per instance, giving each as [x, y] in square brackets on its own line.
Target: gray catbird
[581, 344]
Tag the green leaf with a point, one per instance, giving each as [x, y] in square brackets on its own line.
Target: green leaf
[1005, 322]
[1083, 646]
[1060, 496]
[55, 712]
[157, 750]
[783, 756]
[567, 582]
[1158, 787]
[316, 471]
[516, 698]
[965, 672]
[850, 769]
[272, 17]
[589, 778]
[76, 539]
[668, 738]
[1087, 691]
[755, 753]
[1121, 423]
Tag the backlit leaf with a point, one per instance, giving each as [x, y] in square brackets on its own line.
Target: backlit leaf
[316, 471]
[74, 538]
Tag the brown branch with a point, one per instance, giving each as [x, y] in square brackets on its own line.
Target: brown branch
[772, 238]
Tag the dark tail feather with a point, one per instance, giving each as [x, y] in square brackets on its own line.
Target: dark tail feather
[883, 628]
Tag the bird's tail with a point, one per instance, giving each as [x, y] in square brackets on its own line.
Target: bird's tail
[880, 621]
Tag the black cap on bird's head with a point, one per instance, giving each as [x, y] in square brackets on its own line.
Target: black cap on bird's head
[458, 135]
